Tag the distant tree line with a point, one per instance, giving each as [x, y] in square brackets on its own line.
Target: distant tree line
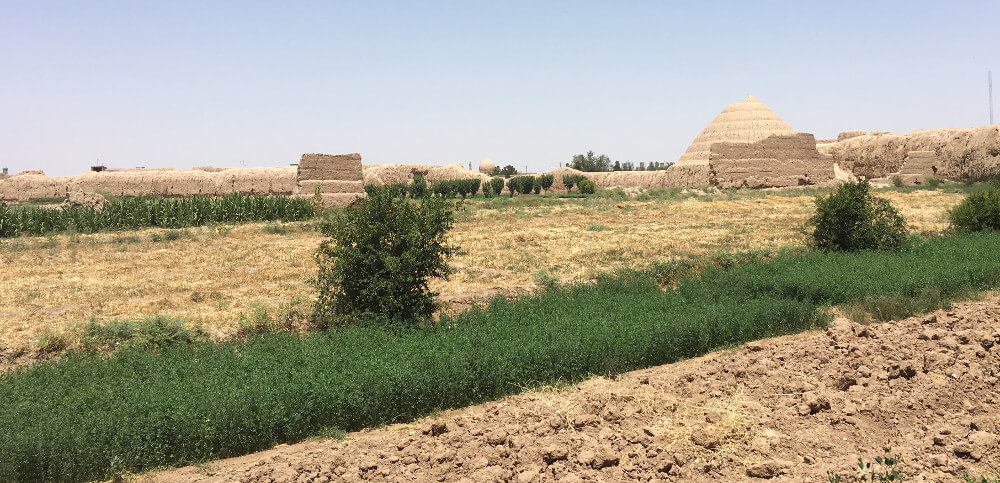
[591, 162]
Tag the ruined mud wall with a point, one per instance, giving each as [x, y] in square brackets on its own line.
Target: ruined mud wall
[918, 167]
[972, 152]
[778, 161]
[380, 174]
[163, 182]
[338, 178]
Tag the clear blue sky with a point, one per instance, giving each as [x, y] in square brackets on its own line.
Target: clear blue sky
[179, 83]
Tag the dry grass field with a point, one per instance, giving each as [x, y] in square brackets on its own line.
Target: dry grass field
[214, 275]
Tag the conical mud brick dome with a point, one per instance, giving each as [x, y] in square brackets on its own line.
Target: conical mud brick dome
[744, 122]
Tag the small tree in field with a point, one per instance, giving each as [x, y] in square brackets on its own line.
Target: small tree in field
[587, 186]
[547, 180]
[852, 219]
[379, 256]
[419, 187]
[496, 184]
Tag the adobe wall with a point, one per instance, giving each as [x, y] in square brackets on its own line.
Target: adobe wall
[164, 182]
[337, 177]
[778, 161]
[918, 166]
[972, 152]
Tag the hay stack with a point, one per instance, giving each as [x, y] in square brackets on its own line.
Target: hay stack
[486, 166]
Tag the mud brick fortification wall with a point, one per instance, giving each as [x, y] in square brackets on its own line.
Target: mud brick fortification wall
[339, 178]
[778, 161]
[918, 166]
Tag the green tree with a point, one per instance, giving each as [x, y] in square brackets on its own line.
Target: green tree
[587, 186]
[591, 162]
[418, 189]
[379, 256]
[547, 180]
[508, 171]
[852, 219]
[617, 166]
[980, 211]
[497, 185]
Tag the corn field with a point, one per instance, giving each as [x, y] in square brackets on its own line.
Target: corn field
[147, 211]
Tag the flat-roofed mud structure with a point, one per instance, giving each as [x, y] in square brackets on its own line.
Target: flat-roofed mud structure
[337, 178]
[776, 161]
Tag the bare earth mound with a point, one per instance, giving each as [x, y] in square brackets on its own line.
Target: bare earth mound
[790, 408]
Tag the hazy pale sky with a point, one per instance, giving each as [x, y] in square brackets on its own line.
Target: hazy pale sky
[188, 83]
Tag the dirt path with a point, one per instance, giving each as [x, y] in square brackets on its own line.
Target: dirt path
[790, 408]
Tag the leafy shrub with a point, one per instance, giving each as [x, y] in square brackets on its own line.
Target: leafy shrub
[897, 181]
[381, 252]
[496, 184]
[979, 211]
[474, 184]
[150, 333]
[527, 184]
[571, 180]
[587, 186]
[444, 188]
[418, 188]
[537, 187]
[148, 211]
[546, 181]
[488, 189]
[852, 218]
[934, 181]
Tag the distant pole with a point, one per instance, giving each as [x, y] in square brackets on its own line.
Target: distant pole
[989, 80]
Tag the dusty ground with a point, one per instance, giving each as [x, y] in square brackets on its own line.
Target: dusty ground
[792, 409]
[213, 275]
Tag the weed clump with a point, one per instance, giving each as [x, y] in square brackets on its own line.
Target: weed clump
[380, 255]
[853, 219]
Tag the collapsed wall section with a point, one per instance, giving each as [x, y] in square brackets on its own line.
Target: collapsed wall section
[777, 161]
[964, 153]
[337, 178]
[918, 167]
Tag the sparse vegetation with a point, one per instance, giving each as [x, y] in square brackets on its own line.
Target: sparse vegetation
[882, 469]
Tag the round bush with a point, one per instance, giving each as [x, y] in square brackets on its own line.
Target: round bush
[378, 258]
[852, 219]
[587, 186]
[980, 211]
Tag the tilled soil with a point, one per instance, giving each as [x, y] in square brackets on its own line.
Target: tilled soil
[792, 408]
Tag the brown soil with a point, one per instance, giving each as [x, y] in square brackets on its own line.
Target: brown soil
[791, 408]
